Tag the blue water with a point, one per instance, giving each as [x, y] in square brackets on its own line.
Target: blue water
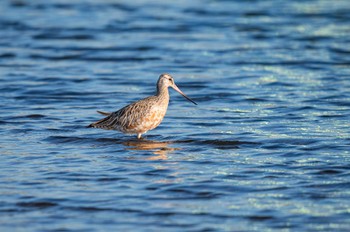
[266, 149]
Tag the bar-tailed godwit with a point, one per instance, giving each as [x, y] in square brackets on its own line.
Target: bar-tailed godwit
[143, 115]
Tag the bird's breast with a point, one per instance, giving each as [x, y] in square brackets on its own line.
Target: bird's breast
[147, 120]
[155, 116]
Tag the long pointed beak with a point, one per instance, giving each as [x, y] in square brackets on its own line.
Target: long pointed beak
[180, 92]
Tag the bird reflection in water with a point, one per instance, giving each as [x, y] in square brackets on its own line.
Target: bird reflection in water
[160, 149]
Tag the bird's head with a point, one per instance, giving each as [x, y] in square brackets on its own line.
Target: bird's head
[166, 80]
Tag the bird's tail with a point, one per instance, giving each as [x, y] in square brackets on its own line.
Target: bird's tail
[103, 113]
[103, 123]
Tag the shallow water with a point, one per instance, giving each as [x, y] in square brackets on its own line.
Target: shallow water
[266, 149]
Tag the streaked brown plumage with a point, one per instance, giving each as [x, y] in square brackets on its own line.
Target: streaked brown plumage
[143, 115]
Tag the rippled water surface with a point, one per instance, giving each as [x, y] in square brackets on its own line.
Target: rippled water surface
[266, 149]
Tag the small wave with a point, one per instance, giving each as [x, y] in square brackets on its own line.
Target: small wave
[37, 204]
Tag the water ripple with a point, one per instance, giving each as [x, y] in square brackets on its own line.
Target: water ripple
[266, 149]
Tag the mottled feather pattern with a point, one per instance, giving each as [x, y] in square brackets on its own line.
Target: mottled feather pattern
[129, 118]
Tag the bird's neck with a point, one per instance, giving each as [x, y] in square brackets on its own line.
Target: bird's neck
[162, 92]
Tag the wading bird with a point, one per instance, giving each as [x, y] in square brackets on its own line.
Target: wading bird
[143, 115]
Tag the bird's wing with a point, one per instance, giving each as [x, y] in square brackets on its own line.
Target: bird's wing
[126, 116]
